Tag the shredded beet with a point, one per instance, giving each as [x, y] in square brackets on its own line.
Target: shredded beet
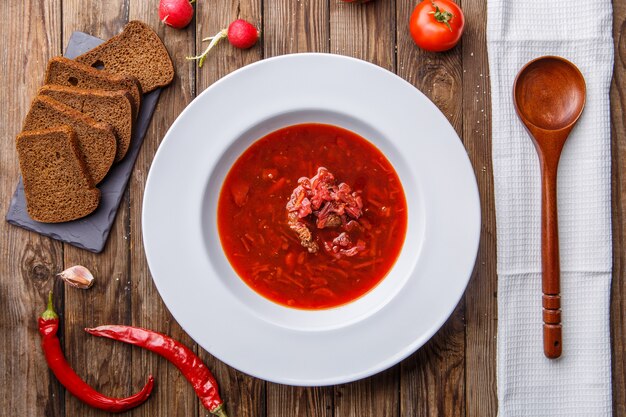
[328, 205]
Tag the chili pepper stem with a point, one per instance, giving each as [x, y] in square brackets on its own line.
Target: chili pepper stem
[214, 41]
[49, 314]
[219, 411]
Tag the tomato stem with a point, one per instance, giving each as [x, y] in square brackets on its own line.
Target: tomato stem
[442, 16]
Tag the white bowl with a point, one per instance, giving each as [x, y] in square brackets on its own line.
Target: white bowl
[311, 347]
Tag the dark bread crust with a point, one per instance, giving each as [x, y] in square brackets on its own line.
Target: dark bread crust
[112, 107]
[57, 186]
[136, 51]
[64, 71]
[96, 140]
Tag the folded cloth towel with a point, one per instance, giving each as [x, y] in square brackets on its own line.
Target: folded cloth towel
[578, 383]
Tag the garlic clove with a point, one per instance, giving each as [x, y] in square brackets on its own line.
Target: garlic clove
[77, 276]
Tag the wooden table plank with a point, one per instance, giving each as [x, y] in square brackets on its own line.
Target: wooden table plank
[480, 297]
[103, 364]
[31, 35]
[367, 32]
[292, 27]
[173, 395]
[433, 379]
[244, 395]
[618, 293]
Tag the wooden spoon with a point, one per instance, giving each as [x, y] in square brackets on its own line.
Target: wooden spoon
[549, 96]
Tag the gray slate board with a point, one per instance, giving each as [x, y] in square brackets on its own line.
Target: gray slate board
[90, 232]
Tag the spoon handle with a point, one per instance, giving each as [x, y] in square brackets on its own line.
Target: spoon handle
[550, 264]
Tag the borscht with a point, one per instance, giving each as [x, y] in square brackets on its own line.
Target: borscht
[312, 216]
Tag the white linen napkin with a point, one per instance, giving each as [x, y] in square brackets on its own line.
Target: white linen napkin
[578, 383]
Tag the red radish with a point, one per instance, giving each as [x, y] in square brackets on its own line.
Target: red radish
[176, 13]
[240, 33]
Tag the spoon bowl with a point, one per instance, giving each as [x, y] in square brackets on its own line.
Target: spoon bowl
[549, 97]
[550, 93]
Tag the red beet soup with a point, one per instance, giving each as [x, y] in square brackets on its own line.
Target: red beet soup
[312, 216]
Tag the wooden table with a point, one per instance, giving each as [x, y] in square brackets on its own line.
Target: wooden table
[452, 375]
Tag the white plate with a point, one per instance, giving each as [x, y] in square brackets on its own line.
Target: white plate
[291, 346]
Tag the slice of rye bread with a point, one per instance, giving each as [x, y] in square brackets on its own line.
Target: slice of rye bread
[96, 140]
[57, 186]
[112, 107]
[64, 71]
[136, 51]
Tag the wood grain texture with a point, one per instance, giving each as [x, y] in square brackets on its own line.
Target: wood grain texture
[244, 395]
[287, 401]
[618, 145]
[292, 27]
[378, 395]
[106, 366]
[28, 261]
[173, 395]
[433, 379]
[295, 26]
[481, 295]
[366, 31]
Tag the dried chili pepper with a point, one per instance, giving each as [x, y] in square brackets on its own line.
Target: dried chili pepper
[178, 354]
[48, 327]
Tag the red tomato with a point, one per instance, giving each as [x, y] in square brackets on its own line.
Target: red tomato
[436, 25]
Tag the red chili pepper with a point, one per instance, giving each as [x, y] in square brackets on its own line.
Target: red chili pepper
[180, 355]
[48, 327]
